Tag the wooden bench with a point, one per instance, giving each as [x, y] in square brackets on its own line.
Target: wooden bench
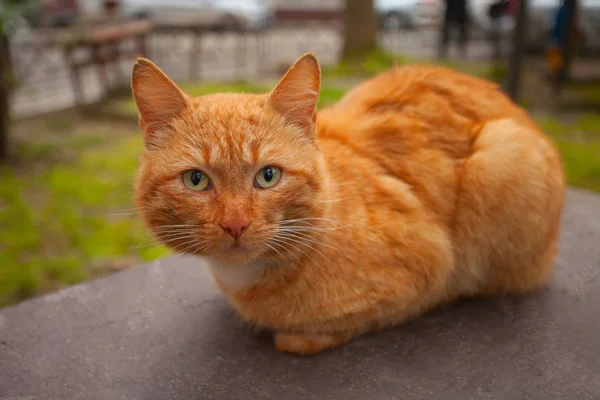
[101, 45]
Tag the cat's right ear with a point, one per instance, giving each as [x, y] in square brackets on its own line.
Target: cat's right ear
[158, 100]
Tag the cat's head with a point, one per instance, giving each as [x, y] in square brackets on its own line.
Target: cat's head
[224, 174]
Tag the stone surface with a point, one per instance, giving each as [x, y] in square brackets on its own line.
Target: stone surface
[162, 331]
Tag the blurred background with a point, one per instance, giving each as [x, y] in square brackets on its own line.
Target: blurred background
[69, 141]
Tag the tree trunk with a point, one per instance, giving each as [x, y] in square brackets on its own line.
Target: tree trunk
[360, 28]
[513, 81]
[5, 77]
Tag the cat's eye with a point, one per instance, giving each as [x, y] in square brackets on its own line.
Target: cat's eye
[196, 180]
[267, 177]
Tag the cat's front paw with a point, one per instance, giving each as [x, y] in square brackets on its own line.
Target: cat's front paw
[309, 343]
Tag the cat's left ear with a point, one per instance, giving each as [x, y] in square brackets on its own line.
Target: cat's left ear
[296, 95]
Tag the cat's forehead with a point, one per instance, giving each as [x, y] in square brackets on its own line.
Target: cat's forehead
[227, 120]
[228, 108]
[226, 129]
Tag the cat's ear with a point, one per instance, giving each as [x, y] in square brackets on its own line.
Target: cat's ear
[158, 99]
[295, 96]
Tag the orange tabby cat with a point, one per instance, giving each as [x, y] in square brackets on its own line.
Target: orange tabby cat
[421, 186]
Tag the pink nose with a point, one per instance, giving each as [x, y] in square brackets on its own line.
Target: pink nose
[235, 228]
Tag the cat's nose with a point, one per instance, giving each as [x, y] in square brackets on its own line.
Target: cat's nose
[235, 228]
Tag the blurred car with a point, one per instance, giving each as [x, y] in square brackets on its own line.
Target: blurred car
[407, 14]
[231, 14]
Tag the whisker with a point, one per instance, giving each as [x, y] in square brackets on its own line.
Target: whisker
[179, 237]
[194, 246]
[274, 249]
[284, 243]
[130, 211]
[164, 242]
[305, 244]
[154, 229]
[307, 237]
[183, 245]
[168, 234]
[289, 221]
[153, 236]
[203, 247]
[298, 228]
[317, 228]
[288, 242]
[300, 235]
[308, 225]
[292, 251]
[281, 244]
[152, 240]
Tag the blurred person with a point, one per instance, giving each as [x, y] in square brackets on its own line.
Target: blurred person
[556, 38]
[455, 18]
[563, 42]
[559, 38]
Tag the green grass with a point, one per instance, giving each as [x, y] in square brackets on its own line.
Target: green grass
[578, 141]
[62, 205]
[590, 92]
[380, 61]
[127, 106]
[372, 64]
[329, 94]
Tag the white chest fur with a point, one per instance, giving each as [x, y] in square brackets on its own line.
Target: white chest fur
[235, 276]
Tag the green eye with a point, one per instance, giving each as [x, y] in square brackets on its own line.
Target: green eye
[267, 177]
[196, 180]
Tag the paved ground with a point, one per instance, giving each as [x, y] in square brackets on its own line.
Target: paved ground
[162, 331]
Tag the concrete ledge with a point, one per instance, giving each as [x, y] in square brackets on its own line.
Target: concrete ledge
[162, 331]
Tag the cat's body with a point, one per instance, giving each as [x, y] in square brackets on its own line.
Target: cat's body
[419, 187]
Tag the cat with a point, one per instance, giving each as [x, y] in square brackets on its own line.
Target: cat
[421, 186]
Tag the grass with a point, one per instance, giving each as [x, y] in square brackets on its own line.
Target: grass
[329, 94]
[590, 92]
[578, 141]
[61, 205]
[66, 194]
[376, 62]
[380, 61]
[127, 105]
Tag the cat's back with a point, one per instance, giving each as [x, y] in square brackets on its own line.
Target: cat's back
[422, 123]
[417, 103]
[430, 91]
[473, 159]
[418, 124]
